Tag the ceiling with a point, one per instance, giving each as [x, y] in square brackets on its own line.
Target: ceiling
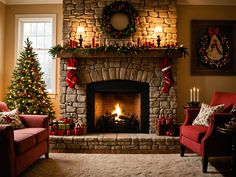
[181, 2]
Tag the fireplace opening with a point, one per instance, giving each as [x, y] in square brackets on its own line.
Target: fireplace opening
[118, 107]
[117, 111]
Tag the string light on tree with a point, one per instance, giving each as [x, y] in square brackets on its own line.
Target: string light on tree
[24, 89]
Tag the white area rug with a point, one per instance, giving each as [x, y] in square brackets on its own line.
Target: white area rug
[119, 165]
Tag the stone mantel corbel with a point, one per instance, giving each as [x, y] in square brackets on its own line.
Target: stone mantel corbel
[149, 53]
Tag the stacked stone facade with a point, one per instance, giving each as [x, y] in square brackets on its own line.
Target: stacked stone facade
[73, 101]
[117, 143]
[152, 13]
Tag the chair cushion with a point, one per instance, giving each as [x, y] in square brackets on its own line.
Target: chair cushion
[203, 118]
[11, 118]
[194, 132]
[23, 141]
[40, 133]
[25, 138]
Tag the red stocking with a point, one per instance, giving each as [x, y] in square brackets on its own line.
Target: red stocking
[71, 77]
[72, 63]
[167, 74]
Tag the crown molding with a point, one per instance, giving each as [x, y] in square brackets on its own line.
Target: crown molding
[207, 2]
[179, 2]
[18, 2]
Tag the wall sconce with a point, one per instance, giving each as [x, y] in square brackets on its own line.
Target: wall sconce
[158, 30]
[80, 30]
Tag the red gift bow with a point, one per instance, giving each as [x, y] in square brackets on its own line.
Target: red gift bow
[212, 31]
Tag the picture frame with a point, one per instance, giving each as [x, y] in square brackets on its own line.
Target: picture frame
[213, 47]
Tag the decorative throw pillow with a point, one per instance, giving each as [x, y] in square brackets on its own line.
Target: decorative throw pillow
[12, 118]
[233, 111]
[203, 118]
[3, 107]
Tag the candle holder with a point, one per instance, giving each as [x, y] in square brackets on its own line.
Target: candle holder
[158, 41]
[158, 30]
[80, 31]
[80, 41]
[194, 103]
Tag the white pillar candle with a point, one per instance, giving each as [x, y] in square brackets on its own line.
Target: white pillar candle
[194, 94]
[197, 95]
[191, 95]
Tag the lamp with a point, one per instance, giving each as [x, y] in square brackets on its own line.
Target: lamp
[80, 30]
[158, 30]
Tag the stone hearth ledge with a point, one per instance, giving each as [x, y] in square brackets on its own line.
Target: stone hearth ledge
[115, 143]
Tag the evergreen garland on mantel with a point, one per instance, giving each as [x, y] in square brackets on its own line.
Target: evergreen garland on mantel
[118, 50]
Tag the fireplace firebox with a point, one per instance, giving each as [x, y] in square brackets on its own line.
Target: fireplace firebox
[118, 106]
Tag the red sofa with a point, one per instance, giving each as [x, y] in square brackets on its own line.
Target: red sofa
[206, 141]
[21, 147]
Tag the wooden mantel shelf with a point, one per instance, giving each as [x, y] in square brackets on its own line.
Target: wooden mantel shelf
[150, 53]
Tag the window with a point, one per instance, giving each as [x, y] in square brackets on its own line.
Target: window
[40, 29]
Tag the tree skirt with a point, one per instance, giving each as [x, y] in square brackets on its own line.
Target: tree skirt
[119, 165]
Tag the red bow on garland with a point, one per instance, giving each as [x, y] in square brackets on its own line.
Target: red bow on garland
[212, 31]
[72, 63]
[167, 74]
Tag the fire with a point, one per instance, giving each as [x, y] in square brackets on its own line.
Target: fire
[117, 111]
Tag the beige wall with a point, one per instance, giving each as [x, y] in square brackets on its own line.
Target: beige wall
[2, 38]
[11, 11]
[207, 84]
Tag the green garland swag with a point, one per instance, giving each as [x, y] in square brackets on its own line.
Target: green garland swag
[115, 50]
[114, 8]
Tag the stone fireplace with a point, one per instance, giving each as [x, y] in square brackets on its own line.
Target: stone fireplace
[131, 79]
[135, 80]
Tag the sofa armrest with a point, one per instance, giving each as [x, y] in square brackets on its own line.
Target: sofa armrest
[7, 153]
[213, 141]
[190, 115]
[35, 121]
[216, 119]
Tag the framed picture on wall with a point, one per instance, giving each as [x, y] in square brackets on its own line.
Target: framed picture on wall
[213, 48]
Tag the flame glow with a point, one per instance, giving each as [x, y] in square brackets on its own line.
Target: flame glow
[117, 111]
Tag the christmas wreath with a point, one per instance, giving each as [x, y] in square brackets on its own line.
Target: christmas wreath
[214, 49]
[115, 8]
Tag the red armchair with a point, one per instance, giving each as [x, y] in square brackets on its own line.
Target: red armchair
[21, 147]
[206, 141]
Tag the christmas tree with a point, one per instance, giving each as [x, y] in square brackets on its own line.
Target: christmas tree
[27, 91]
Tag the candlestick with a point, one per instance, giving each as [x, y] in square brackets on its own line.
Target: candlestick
[158, 41]
[197, 95]
[194, 94]
[92, 42]
[191, 95]
[80, 40]
[138, 42]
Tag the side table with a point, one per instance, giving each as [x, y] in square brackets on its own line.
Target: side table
[232, 132]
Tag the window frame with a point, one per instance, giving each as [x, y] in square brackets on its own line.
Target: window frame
[19, 21]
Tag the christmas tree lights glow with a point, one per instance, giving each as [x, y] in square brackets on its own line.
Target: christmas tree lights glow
[27, 91]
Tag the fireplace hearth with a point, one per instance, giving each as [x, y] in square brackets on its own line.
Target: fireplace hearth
[118, 106]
